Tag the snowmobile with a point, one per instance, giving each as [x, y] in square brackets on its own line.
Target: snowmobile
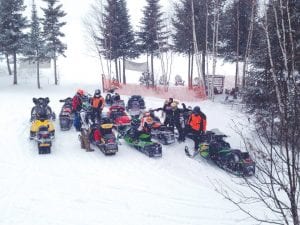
[113, 98]
[42, 129]
[216, 149]
[143, 143]
[135, 105]
[120, 118]
[65, 116]
[162, 133]
[179, 81]
[108, 145]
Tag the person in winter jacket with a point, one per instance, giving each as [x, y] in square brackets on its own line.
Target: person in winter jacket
[146, 123]
[172, 120]
[76, 107]
[97, 102]
[196, 125]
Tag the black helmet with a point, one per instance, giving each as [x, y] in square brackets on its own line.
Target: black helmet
[97, 93]
[135, 122]
[42, 114]
[117, 97]
[196, 110]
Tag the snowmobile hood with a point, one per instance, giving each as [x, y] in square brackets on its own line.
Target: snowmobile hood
[123, 120]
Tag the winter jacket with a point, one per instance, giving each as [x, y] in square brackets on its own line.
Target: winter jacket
[197, 122]
[76, 103]
[97, 103]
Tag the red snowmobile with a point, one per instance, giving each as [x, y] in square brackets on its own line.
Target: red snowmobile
[119, 117]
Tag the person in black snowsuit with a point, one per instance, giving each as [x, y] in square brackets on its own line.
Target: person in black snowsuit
[173, 114]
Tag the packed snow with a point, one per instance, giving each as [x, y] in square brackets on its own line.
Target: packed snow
[71, 186]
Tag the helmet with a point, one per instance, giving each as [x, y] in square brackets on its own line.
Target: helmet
[171, 100]
[117, 97]
[135, 122]
[42, 114]
[97, 93]
[196, 110]
[173, 105]
[80, 92]
[147, 114]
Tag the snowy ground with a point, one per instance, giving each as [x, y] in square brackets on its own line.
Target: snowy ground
[73, 187]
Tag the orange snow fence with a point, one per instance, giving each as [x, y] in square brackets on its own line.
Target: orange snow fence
[181, 93]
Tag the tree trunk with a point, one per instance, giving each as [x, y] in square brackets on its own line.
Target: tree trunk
[203, 67]
[15, 68]
[152, 70]
[192, 68]
[8, 64]
[237, 45]
[38, 73]
[120, 71]
[189, 71]
[55, 69]
[124, 69]
[248, 46]
[116, 68]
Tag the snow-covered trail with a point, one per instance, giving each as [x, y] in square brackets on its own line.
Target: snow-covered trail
[71, 186]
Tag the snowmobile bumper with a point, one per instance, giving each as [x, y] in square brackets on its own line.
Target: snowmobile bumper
[152, 150]
[108, 149]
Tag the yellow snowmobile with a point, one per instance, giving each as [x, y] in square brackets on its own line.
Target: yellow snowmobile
[42, 128]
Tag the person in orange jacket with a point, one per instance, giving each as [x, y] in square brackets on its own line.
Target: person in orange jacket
[196, 125]
[97, 102]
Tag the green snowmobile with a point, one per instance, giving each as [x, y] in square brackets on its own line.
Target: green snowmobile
[142, 141]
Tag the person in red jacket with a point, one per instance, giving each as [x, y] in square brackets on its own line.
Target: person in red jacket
[76, 107]
[196, 125]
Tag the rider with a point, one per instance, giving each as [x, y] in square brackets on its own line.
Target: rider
[76, 107]
[196, 124]
[97, 102]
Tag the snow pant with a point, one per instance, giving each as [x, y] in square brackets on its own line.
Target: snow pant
[178, 126]
[77, 123]
[96, 115]
[196, 136]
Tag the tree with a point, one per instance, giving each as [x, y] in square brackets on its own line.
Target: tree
[192, 15]
[152, 36]
[12, 24]
[235, 32]
[128, 48]
[35, 50]
[276, 183]
[52, 32]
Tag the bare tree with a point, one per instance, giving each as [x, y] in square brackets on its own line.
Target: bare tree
[276, 140]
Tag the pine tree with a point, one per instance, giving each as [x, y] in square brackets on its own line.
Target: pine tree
[109, 39]
[52, 32]
[35, 50]
[152, 35]
[183, 35]
[235, 24]
[12, 24]
[128, 48]
[117, 36]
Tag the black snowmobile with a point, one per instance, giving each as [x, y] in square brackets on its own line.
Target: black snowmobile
[135, 105]
[161, 132]
[108, 144]
[113, 98]
[142, 141]
[66, 116]
[215, 148]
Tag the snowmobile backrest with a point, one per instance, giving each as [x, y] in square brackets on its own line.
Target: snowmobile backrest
[116, 108]
[106, 126]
